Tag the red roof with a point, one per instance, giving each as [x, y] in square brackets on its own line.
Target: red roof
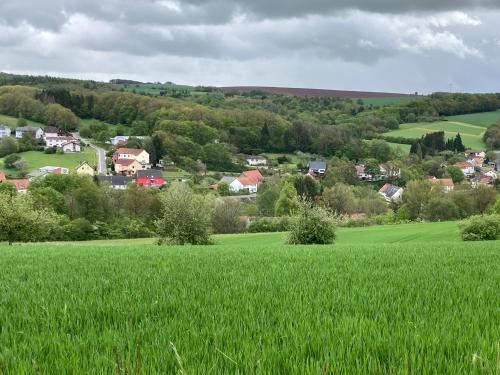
[2, 176]
[384, 188]
[132, 151]
[253, 175]
[20, 184]
[360, 169]
[125, 162]
[245, 181]
[444, 181]
[464, 165]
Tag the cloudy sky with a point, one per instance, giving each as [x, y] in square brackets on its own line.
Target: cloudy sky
[379, 45]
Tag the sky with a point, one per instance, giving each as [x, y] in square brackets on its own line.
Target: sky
[374, 45]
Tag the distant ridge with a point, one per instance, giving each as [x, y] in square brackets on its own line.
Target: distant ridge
[312, 92]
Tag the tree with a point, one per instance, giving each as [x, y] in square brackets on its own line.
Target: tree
[27, 142]
[11, 160]
[267, 195]
[416, 197]
[441, 209]
[481, 228]
[61, 117]
[226, 217]
[307, 187]
[21, 122]
[483, 197]
[372, 167]
[343, 171]
[20, 221]
[8, 146]
[185, 216]
[224, 189]
[339, 199]
[455, 174]
[287, 203]
[217, 157]
[457, 144]
[313, 225]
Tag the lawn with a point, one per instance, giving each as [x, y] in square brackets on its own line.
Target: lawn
[471, 134]
[12, 122]
[482, 119]
[395, 299]
[36, 160]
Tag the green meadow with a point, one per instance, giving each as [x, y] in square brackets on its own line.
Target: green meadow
[482, 119]
[471, 134]
[37, 159]
[384, 300]
[12, 122]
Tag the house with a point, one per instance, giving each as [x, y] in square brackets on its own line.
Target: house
[150, 178]
[388, 170]
[21, 185]
[254, 175]
[466, 168]
[471, 153]
[362, 175]
[129, 166]
[447, 183]
[37, 132]
[2, 177]
[256, 160]
[391, 193]
[58, 141]
[4, 131]
[233, 182]
[481, 179]
[491, 174]
[116, 182]
[317, 168]
[476, 161]
[122, 139]
[249, 184]
[36, 174]
[84, 169]
[131, 153]
[55, 170]
[53, 132]
[72, 146]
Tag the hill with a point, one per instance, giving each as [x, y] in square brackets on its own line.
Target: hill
[312, 92]
[251, 304]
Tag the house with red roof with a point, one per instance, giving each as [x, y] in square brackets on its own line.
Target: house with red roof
[130, 160]
[391, 193]
[447, 183]
[248, 180]
[21, 185]
[150, 178]
[466, 168]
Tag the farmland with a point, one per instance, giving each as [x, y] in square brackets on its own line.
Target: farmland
[36, 159]
[12, 122]
[471, 134]
[483, 118]
[396, 299]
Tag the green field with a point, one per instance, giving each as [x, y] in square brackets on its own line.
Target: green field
[403, 147]
[154, 88]
[483, 119]
[12, 122]
[36, 160]
[471, 134]
[396, 299]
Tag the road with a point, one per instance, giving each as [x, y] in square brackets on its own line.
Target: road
[102, 168]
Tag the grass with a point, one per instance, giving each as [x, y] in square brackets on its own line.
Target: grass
[484, 119]
[37, 159]
[471, 134]
[382, 300]
[405, 148]
[12, 122]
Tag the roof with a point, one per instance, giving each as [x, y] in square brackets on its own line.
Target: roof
[317, 164]
[126, 162]
[253, 175]
[464, 165]
[246, 181]
[51, 129]
[389, 190]
[149, 173]
[27, 129]
[37, 173]
[21, 184]
[82, 163]
[4, 126]
[445, 181]
[132, 151]
[116, 180]
[257, 157]
[228, 179]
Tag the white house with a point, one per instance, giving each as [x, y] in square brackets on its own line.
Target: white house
[122, 139]
[466, 168]
[51, 132]
[58, 141]
[37, 132]
[387, 170]
[256, 160]
[234, 183]
[72, 146]
[391, 193]
[4, 131]
[54, 170]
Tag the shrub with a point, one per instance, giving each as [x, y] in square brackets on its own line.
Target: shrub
[185, 217]
[270, 224]
[226, 217]
[11, 160]
[480, 228]
[313, 225]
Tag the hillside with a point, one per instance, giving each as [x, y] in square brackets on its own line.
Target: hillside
[312, 92]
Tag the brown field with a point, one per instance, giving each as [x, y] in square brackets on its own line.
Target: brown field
[313, 92]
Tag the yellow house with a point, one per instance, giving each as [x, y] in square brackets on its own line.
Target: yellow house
[129, 166]
[84, 169]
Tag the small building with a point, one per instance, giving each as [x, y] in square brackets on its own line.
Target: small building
[116, 182]
[471, 153]
[5, 131]
[150, 178]
[132, 153]
[317, 168]
[234, 183]
[123, 139]
[476, 161]
[256, 160]
[129, 166]
[391, 193]
[53, 132]
[35, 174]
[254, 175]
[36, 132]
[72, 146]
[447, 183]
[21, 185]
[55, 170]
[466, 168]
[361, 173]
[85, 169]
[388, 170]
[58, 141]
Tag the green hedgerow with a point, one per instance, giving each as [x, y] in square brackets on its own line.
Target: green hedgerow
[480, 228]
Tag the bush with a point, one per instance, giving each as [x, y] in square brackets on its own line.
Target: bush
[480, 228]
[226, 217]
[185, 217]
[270, 224]
[11, 160]
[50, 150]
[313, 225]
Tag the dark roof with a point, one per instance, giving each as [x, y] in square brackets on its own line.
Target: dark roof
[317, 164]
[149, 173]
[116, 180]
[51, 129]
[27, 129]
[392, 190]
